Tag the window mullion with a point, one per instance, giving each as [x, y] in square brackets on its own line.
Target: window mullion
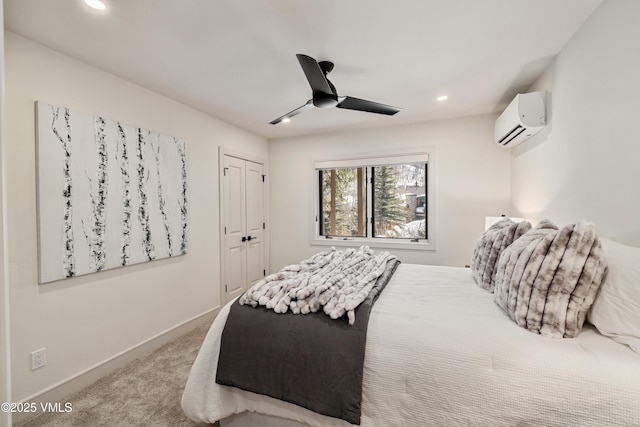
[332, 216]
[362, 215]
[369, 188]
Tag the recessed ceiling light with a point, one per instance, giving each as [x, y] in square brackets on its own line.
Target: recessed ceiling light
[286, 120]
[96, 4]
[442, 98]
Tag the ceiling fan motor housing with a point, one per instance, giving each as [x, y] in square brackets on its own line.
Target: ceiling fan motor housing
[324, 100]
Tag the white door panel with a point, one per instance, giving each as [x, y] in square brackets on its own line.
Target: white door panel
[255, 197]
[235, 267]
[255, 261]
[234, 200]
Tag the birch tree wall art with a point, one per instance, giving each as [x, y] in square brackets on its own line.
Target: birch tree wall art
[109, 194]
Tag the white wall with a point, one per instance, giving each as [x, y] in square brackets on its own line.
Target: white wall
[5, 359]
[85, 320]
[587, 164]
[471, 182]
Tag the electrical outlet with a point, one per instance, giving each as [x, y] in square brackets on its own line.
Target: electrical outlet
[38, 358]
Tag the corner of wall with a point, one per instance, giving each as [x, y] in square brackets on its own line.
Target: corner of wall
[5, 359]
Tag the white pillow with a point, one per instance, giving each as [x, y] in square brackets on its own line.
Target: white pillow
[616, 310]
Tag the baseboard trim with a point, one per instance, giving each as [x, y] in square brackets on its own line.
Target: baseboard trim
[67, 387]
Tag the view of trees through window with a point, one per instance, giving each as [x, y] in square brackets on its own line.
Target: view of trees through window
[398, 201]
[343, 202]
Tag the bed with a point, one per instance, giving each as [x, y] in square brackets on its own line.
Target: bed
[440, 351]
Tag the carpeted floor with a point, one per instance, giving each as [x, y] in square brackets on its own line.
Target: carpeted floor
[146, 392]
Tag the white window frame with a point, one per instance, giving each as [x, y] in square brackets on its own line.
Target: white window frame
[378, 242]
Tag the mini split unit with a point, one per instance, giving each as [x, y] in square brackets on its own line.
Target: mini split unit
[524, 117]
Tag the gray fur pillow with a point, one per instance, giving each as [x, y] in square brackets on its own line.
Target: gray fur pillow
[547, 280]
[490, 246]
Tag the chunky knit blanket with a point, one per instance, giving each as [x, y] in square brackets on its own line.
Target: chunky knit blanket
[335, 282]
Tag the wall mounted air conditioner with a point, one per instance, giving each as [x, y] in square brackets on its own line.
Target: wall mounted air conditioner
[524, 117]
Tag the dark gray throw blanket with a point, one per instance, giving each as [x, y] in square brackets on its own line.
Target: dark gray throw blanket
[310, 360]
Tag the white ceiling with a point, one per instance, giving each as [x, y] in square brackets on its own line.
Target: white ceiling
[235, 59]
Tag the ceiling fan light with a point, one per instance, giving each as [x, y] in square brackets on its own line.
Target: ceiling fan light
[96, 4]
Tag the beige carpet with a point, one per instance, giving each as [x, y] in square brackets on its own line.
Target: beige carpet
[146, 392]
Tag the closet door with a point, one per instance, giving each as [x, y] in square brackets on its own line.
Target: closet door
[243, 225]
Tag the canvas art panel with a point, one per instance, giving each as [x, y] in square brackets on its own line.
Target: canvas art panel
[109, 194]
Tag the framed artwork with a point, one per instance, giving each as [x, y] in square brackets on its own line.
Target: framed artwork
[109, 194]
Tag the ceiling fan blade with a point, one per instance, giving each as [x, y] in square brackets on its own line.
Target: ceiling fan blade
[313, 72]
[367, 106]
[305, 107]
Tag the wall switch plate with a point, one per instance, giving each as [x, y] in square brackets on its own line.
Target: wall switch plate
[38, 358]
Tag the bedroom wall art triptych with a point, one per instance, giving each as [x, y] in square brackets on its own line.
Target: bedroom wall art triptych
[109, 194]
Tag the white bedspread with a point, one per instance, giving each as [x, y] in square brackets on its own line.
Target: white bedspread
[440, 352]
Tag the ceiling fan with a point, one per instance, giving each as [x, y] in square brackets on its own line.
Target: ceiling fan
[325, 95]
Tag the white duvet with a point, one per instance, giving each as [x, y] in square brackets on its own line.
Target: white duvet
[441, 353]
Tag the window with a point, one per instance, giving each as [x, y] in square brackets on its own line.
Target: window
[374, 200]
[343, 202]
